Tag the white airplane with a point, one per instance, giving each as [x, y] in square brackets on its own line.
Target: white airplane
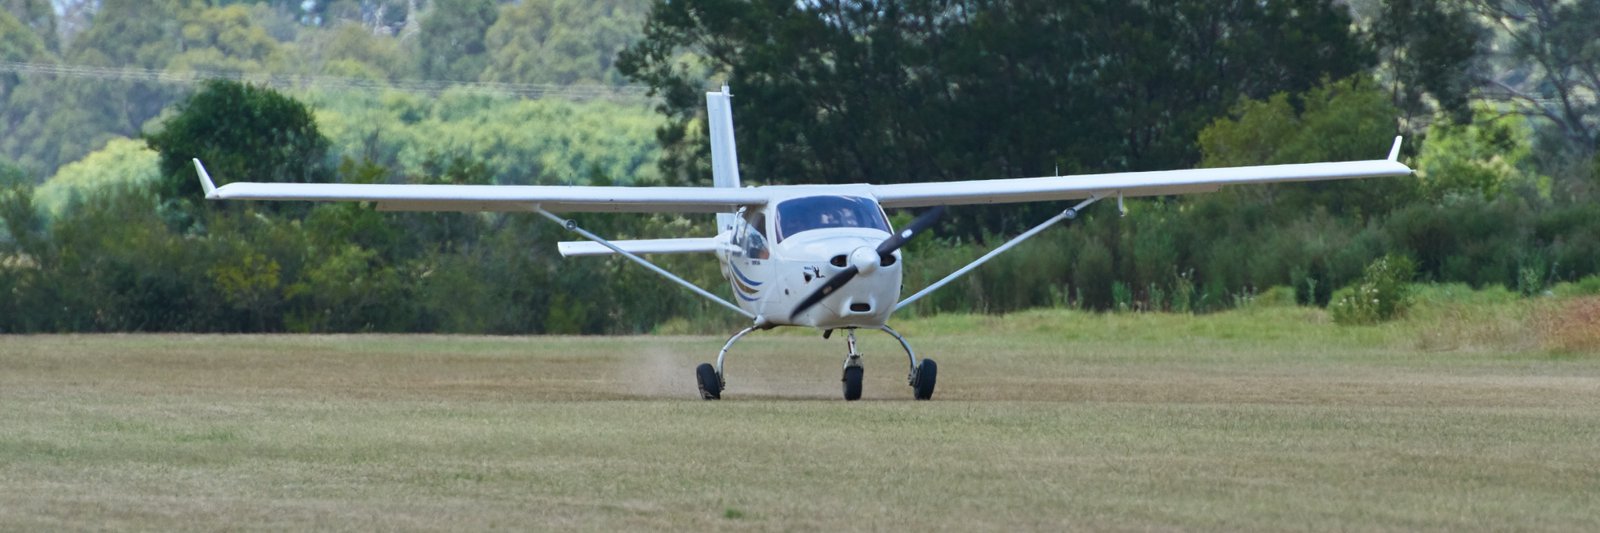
[822, 256]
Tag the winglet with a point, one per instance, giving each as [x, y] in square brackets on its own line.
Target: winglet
[205, 179]
[1394, 153]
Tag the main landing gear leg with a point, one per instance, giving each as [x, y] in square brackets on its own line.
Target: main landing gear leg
[711, 379]
[923, 375]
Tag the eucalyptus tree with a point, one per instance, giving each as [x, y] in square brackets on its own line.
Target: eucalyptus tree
[561, 41]
[450, 44]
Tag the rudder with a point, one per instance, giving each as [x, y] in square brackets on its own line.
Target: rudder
[724, 157]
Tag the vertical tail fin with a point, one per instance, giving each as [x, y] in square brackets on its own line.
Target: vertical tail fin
[724, 158]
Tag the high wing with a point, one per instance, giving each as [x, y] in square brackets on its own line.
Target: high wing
[495, 197]
[729, 199]
[642, 246]
[1156, 183]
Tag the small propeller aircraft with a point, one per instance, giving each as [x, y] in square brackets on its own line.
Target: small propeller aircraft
[820, 256]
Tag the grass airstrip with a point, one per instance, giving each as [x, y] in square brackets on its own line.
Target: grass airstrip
[1467, 415]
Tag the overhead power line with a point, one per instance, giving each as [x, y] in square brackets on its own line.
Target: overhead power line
[336, 83]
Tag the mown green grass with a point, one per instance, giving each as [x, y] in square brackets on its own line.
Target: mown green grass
[1260, 419]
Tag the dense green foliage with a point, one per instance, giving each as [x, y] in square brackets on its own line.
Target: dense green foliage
[451, 40]
[113, 264]
[50, 121]
[544, 42]
[1477, 214]
[122, 163]
[518, 141]
[117, 238]
[896, 91]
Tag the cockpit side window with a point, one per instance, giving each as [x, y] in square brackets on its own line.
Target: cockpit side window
[755, 236]
[817, 212]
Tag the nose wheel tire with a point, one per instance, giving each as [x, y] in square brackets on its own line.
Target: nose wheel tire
[710, 382]
[852, 382]
[927, 377]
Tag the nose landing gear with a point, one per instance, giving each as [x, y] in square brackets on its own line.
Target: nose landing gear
[853, 372]
[922, 378]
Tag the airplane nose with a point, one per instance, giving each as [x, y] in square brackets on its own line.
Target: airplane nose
[865, 259]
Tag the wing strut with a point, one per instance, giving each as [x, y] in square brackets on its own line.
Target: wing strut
[572, 226]
[1070, 214]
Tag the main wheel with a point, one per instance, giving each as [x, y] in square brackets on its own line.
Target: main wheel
[710, 382]
[927, 377]
[852, 382]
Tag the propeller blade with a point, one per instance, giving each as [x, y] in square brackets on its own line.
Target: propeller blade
[833, 284]
[888, 246]
[922, 222]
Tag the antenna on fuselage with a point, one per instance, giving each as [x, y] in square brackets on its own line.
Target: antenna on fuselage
[724, 157]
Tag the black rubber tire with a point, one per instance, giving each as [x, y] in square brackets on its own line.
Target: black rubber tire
[852, 382]
[927, 377]
[710, 382]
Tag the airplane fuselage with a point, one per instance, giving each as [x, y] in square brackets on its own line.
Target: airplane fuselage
[779, 253]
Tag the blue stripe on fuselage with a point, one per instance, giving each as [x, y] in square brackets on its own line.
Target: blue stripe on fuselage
[744, 278]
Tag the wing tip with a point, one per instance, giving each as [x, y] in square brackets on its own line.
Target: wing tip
[205, 180]
[568, 248]
[1394, 151]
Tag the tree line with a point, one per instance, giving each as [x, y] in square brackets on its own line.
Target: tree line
[835, 92]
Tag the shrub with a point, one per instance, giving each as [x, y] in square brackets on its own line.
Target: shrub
[1277, 296]
[1157, 298]
[1383, 293]
[1183, 293]
[1093, 275]
[1121, 296]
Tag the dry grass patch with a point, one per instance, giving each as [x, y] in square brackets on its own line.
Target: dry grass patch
[1570, 326]
[1458, 326]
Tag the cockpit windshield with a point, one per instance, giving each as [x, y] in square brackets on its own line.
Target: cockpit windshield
[817, 212]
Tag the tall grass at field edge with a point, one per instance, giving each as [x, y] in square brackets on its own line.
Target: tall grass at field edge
[1442, 318]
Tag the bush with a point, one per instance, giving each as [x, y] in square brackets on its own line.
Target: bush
[1121, 296]
[1277, 296]
[1183, 292]
[1382, 294]
[1093, 274]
